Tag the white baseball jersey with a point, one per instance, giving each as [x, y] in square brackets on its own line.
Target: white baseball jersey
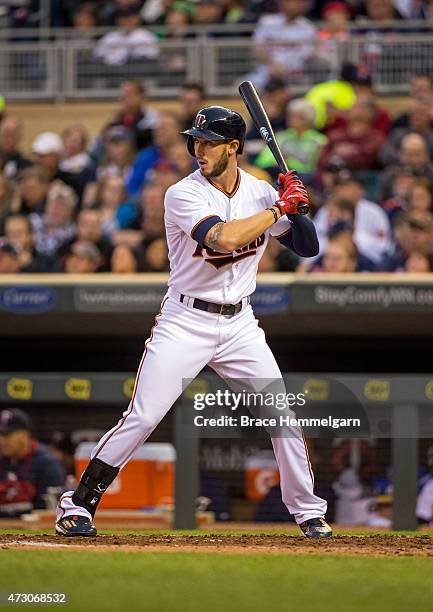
[192, 207]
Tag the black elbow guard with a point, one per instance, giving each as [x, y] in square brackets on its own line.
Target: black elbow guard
[95, 480]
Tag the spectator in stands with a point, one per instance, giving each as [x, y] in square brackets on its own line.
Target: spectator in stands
[135, 114]
[123, 260]
[362, 84]
[401, 186]
[413, 156]
[47, 149]
[118, 213]
[55, 227]
[380, 11]
[12, 161]
[19, 233]
[371, 226]
[85, 17]
[420, 196]
[326, 179]
[151, 224]
[410, 193]
[119, 153]
[341, 225]
[129, 41]
[90, 229]
[33, 187]
[300, 144]
[75, 158]
[83, 258]
[9, 258]
[334, 96]
[340, 256]
[192, 99]
[27, 468]
[421, 86]
[419, 263]
[335, 17]
[413, 235]
[180, 160]
[152, 211]
[284, 42]
[208, 12]
[166, 133]
[156, 256]
[165, 172]
[420, 120]
[178, 17]
[358, 144]
[275, 97]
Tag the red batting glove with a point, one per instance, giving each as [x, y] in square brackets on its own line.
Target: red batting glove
[284, 181]
[287, 181]
[294, 201]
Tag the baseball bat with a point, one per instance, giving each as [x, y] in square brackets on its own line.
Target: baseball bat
[261, 120]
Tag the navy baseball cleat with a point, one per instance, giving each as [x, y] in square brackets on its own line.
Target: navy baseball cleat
[316, 528]
[74, 525]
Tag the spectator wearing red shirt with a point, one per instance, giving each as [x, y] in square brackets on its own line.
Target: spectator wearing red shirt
[358, 144]
[362, 83]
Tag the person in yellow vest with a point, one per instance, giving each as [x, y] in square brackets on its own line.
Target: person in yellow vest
[332, 96]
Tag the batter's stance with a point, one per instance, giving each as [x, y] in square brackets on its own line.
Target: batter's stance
[218, 221]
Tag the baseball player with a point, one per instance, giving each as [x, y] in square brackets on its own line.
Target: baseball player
[218, 222]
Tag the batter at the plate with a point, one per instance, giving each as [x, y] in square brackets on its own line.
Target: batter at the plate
[218, 221]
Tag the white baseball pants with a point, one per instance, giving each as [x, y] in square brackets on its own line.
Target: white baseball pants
[182, 342]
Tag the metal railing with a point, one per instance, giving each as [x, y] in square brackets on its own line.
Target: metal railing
[61, 68]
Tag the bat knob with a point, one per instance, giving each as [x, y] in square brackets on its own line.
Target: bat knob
[303, 209]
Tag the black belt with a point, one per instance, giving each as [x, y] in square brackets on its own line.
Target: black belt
[229, 310]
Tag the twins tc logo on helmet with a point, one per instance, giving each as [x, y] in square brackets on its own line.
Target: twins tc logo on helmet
[200, 120]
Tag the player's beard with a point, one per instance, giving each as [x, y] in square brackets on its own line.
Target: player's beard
[220, 166]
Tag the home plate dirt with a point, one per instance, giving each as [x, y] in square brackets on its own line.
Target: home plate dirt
[382, 545]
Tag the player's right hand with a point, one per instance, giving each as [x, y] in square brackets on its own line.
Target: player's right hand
[294, 201]
[293, 195]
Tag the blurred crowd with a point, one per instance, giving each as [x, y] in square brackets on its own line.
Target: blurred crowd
[290, 38]
[84, 14]
[83, 203]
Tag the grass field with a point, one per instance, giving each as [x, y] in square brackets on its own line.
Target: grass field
[197, 581]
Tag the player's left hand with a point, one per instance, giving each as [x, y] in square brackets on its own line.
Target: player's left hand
[288, 181]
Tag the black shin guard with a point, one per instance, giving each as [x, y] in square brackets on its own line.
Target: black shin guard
[97, 477]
